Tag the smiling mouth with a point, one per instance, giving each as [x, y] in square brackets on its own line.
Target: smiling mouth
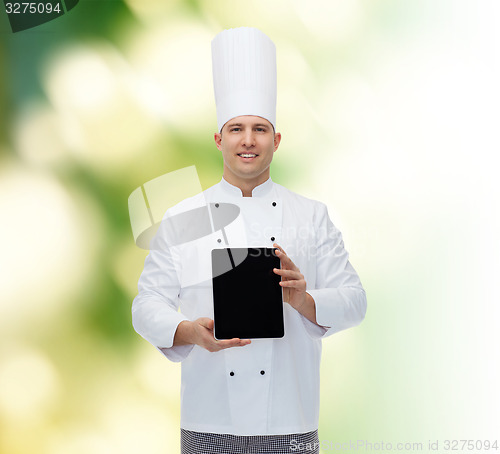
[247, 155]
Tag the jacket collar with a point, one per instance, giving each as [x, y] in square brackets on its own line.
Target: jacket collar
[259, 191]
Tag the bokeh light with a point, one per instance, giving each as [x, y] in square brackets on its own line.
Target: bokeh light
[89, 85]
[48, 246]
[28, 385]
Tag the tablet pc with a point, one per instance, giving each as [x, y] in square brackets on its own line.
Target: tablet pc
[248, 300]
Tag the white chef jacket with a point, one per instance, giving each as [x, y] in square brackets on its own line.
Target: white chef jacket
[271, 386]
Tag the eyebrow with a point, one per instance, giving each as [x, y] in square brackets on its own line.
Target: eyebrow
[254, 125]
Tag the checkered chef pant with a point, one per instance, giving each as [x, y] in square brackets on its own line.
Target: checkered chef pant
[209, 443]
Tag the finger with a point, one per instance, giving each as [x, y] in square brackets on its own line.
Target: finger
[285, 260]
[280, 250]
[277, 246]
[299, 284]
[288, 274]
[206, 322]
[228, 343]
[243, 342]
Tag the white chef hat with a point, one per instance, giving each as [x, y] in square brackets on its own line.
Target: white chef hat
[244, 73]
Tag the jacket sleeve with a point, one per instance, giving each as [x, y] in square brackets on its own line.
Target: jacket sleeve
[338, 294]
[155, 313]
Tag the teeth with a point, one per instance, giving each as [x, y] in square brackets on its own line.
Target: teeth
[247, 155]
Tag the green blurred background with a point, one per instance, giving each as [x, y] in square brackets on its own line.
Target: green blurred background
[389, 114]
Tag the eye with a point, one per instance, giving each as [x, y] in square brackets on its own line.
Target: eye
[234, 129]
[261, 129]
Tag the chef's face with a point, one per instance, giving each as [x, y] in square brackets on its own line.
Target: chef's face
[248, 144]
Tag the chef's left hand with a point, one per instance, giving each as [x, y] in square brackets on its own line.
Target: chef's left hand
[292, 281]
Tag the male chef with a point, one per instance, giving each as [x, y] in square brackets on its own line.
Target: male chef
[249, 395]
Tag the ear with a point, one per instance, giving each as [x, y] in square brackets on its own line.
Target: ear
[277, 140]
[218, 139]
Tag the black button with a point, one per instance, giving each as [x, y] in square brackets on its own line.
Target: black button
[216, 205]
[262, 372]
[274, 204]
[272, 238]
[218, 240]
[231, 373]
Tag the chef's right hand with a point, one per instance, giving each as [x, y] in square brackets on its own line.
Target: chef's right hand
[201, 332]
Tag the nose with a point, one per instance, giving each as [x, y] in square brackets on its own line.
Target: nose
[248, 138]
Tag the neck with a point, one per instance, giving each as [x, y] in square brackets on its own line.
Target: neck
[246, 186]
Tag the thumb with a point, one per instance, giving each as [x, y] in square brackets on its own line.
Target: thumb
[206, 322]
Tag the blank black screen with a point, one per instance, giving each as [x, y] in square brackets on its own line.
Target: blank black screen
[248, 301]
